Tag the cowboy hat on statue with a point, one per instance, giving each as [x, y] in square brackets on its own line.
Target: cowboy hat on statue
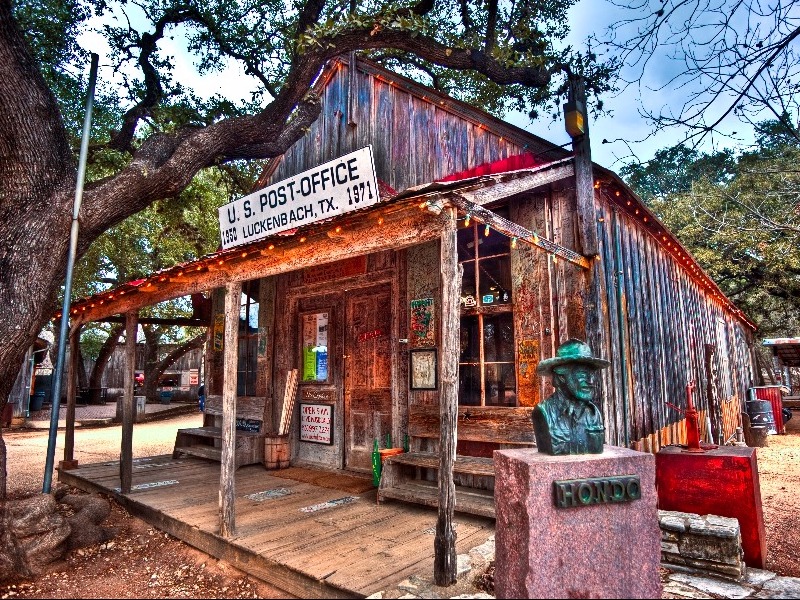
[568, 422]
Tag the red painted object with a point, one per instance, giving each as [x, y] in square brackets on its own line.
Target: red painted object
[722, 482]
[775, 397]
[692, 422]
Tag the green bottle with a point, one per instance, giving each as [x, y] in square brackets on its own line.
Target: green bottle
[388, 440]
[376, 464]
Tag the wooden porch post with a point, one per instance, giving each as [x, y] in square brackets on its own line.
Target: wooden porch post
[587, 219]
[444, 563]
[72, 375]
[227, 487]
[126, 450]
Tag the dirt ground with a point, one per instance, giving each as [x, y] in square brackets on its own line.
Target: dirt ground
[141, 562]
[779, 475]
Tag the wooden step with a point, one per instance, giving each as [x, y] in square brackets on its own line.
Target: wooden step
[215, 432]
[468, 500]
[472, 465]
[209, 452]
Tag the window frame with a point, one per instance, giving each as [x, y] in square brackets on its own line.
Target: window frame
[481, 311]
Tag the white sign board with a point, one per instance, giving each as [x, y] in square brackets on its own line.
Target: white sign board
[331, 189]
[316, 423]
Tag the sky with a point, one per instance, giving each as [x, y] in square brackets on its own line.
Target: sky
[629, 135]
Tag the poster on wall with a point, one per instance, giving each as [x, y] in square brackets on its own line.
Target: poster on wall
[423, 332]
[315, 346]
[316, 423]
[423, 369]
[219, 331]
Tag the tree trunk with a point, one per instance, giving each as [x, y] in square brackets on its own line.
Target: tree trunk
[106, 350]
[154, 368]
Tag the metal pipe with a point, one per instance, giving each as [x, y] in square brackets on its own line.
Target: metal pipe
[73, 247]
[621, 326]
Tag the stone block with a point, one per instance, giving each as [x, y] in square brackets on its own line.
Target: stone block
[598, 547]
[707, 544]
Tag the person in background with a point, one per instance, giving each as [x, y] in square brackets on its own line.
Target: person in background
[201, 397]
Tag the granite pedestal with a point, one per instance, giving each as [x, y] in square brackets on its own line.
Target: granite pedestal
[605, 542]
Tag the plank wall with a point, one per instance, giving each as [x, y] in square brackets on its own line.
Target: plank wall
[668, 320]
[416, 137]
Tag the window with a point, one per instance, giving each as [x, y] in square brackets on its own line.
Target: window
[314, 339]
[248, 340]
[486, 371]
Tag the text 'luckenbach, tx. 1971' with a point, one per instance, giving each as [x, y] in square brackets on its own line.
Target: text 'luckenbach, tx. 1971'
[597, 490]
[336, 187]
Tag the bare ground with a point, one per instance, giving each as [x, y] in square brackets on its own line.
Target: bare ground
[142, 562]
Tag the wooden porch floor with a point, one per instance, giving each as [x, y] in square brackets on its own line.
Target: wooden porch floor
[289, 533]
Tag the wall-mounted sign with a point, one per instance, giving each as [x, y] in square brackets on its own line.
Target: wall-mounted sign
[423, 331]
[333, 188]
[349, 267]
[251, 425]
[309, 393]
[316, 423]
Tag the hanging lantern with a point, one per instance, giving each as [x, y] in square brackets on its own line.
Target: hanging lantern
[574, 118]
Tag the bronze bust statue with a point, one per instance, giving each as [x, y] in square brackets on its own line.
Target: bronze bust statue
[568, 422]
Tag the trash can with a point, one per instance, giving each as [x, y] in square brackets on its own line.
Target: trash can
[141, 403]
[166, 396]
[138, 415]
[36, 401]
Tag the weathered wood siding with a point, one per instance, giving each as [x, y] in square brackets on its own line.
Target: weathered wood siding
[415, 139]
[668, 319]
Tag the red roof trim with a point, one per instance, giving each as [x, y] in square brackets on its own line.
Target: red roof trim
[512, 163]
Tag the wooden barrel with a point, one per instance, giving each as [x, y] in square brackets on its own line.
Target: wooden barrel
[760, 412]
[276, 452]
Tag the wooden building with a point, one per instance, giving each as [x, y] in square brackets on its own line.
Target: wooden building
[366, 306]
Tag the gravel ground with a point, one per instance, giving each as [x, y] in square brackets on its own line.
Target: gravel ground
[142, 562]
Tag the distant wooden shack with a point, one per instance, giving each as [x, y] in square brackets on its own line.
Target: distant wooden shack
[360, 304]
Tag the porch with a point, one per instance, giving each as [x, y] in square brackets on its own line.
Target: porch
[315, 534]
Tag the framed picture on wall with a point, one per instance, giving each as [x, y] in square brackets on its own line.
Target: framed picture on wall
[422, 370]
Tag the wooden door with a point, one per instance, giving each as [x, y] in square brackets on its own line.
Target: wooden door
[367, 374]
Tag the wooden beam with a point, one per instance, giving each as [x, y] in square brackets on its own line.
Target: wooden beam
[514, 230]
[178, 321]
[444, 562]
[227, 482]
[520, 183]
[126, 449]
[69, 461]
[404, 225]
[584, 178]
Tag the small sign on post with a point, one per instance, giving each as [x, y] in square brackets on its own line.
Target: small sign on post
[333, 188]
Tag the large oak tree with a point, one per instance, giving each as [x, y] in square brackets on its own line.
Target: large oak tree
[153, 136]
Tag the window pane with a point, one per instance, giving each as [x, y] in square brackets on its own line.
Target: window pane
[492, 244]
[315, 346]
[501, 384]
[253, 320]
[468, 297]
[466, 242]
[495, 280]
[498, 337]
[469, 385]
[470, 342]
